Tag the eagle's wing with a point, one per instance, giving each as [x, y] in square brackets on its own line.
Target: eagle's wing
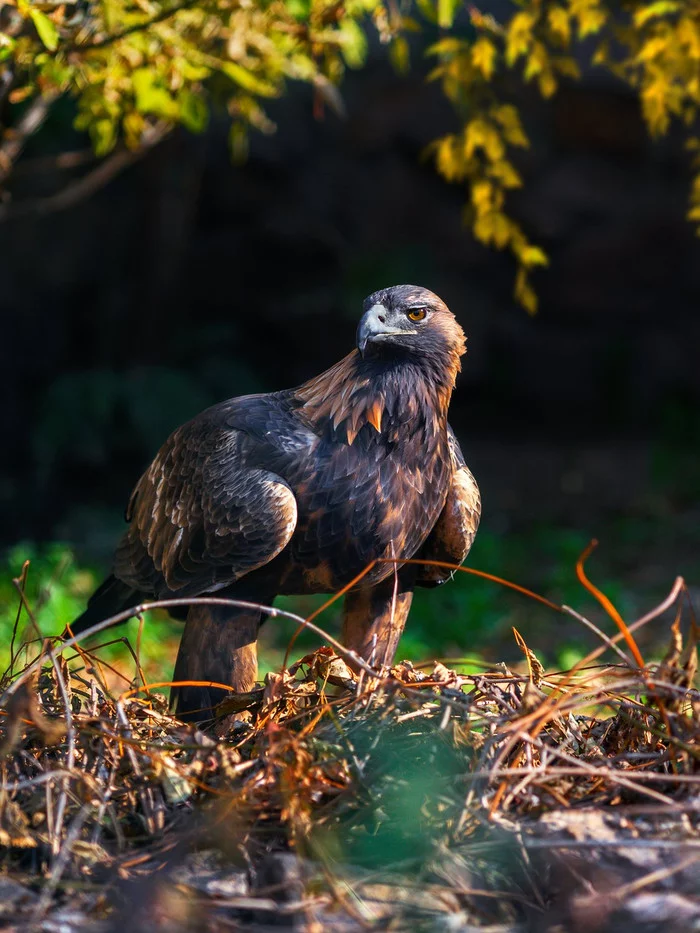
[454, 532]
[204, 514]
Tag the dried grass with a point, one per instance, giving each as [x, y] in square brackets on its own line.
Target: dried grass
[327, 800]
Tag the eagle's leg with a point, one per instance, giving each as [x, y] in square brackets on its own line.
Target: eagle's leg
[374, 617]
[219, 644]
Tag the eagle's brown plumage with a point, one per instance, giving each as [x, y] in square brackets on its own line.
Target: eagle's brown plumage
[298, 491]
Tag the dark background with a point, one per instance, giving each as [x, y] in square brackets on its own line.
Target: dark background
[189, 279]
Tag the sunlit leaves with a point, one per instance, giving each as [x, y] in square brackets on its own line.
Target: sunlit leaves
[353, 43]
[133, 65]
[7, 46]
[46, 28]
[519, 36]
[249, 81]
[400, 55]
[479, 155]
[194, 113]
[130, 64]
[591, 16]
[654, 47]
[484, 54]
[560, 24]
[446, 10]
[508, 118]
[653, 10]
[151, 95]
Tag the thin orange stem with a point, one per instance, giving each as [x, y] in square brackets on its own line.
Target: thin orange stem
[175, 683]
[607, 604]
[475, 573]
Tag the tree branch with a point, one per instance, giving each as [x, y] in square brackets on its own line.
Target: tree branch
[130, 30]
[16, 137]
[87, 185]
[61, 161]
[6, 78]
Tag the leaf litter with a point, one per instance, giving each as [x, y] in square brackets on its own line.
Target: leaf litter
[336, 797]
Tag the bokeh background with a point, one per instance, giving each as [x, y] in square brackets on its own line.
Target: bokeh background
[188, 279]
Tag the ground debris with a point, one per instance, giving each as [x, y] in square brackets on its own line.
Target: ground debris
[422, 800]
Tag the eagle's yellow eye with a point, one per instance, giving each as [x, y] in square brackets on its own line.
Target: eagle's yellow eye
[417, 314]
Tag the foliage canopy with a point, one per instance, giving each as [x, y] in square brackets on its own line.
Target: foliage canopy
[138, 68]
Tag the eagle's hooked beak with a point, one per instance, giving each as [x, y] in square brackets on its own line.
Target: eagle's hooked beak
[373, 326]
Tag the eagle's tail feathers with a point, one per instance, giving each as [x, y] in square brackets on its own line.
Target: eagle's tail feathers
[109, 599]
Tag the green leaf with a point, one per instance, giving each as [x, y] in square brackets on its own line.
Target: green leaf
[7, 46]
[104, 135]
[399, 55]
[151, 97]
[194, 112]
[299, 9]
[353, 43]
[428, 10]
[446, 10]
[46, 28]
[247, 80]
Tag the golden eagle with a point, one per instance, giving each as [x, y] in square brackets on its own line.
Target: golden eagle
[298, 491]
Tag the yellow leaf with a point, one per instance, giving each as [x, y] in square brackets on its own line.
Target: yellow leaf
[654, 10]
[484, 56]
[533, 256]
[559, 24]
[505, 174]
[688, 35]
[523, 292]
[494, 228]
[566, 66]
[481, 135]
[653, 48]
[482, 193]
[449, 158]
[547, 83]
[591, 17]
[519, 37]
[535, 63]
[450, 45]
[602, 54]
[507, 116]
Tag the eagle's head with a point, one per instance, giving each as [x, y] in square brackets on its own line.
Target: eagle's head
[409, 321]
[403, 371]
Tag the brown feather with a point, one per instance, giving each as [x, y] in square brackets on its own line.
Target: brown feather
[374, 415]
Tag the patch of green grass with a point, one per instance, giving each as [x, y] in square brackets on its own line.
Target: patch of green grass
[56, 591]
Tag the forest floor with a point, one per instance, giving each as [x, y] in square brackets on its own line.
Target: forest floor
[506, 799]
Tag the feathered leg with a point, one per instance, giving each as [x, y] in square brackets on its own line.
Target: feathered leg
[219, 644]
[374, 617]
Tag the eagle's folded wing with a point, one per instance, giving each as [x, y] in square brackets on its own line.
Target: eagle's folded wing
[203, 515]
[454, 532]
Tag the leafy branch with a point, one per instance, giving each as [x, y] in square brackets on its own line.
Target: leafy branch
[130, 74]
